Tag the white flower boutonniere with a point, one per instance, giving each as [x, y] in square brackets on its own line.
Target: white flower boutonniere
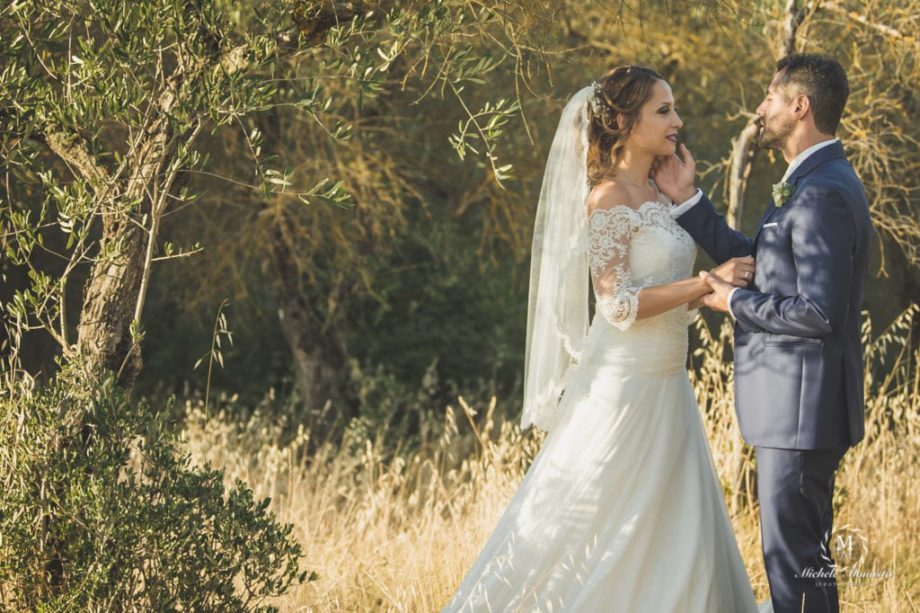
[781, 193]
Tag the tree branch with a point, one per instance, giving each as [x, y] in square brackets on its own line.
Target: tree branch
[794, 18]
[887, 30]
[74, 152]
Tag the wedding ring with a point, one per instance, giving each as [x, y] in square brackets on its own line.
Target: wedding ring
[747, 275]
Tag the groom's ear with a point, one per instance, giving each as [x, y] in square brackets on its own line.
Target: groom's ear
[801, 105]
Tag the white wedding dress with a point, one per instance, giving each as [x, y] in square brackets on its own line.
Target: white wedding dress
[621, 509]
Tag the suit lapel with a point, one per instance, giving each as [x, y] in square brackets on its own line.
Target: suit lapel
[833, 151]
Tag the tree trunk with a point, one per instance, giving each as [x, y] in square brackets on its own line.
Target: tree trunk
[111, 294]
[742, 160]
[794, 18]
[103, 337]
[111, 299]
[317, 349]
[743, 146]
[317, 366]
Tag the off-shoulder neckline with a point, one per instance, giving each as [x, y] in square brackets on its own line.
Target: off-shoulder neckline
[637, 209]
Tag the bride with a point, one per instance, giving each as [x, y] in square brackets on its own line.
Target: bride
[621, 509]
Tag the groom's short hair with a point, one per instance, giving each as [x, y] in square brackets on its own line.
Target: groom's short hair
[823, 80]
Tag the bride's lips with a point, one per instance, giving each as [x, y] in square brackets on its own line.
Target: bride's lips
[672, 138]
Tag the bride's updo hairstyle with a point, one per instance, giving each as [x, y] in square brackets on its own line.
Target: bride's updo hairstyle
[621, 91]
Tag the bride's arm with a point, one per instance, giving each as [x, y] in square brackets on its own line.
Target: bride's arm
[660, 298]
[620, 302]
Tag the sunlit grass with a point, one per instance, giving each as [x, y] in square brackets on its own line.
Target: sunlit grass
[397, 530]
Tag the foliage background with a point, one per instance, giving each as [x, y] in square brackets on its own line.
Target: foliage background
[427, 265]
[430, 266]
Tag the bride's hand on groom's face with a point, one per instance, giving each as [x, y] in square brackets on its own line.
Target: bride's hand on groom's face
[674, 175]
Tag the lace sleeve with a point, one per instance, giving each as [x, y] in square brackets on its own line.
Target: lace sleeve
[611, 231]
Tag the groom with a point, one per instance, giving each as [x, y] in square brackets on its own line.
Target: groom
[798, 355]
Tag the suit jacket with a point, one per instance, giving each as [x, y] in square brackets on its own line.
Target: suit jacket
[798, 354]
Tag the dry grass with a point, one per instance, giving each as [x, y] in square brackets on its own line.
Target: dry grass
[389, 530]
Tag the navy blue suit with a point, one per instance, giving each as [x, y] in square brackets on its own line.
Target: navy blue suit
[798, 359]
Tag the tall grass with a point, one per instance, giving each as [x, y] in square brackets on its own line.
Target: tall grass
[397, 529]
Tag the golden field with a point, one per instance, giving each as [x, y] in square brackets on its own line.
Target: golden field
[395, 530]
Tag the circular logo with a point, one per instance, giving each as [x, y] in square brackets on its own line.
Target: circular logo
[848, 546]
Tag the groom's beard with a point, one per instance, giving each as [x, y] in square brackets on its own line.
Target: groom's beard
[773, 137]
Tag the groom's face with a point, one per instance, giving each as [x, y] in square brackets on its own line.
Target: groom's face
[776, 115]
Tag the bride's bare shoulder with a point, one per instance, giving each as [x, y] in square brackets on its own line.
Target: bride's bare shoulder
[608, 194]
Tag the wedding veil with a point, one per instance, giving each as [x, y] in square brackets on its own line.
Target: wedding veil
[557, 311]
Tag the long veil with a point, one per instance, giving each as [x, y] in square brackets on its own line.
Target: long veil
[557, 311]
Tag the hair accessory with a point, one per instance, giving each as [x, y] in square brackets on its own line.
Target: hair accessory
[600, 106]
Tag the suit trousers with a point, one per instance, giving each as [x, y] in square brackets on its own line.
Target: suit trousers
[796, 489]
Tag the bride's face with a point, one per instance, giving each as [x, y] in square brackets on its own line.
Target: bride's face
[656, 130]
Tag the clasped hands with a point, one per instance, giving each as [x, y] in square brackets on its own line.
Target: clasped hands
[736, 272]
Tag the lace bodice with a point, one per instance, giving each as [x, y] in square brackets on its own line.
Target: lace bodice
[631, 248]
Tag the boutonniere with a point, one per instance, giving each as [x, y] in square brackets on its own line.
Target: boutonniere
[781, 193]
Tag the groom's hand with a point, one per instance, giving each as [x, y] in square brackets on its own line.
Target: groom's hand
[674, 175]
[737, 271]
[718, 299]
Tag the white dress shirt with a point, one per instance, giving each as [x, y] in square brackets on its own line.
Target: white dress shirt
[686, 205]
